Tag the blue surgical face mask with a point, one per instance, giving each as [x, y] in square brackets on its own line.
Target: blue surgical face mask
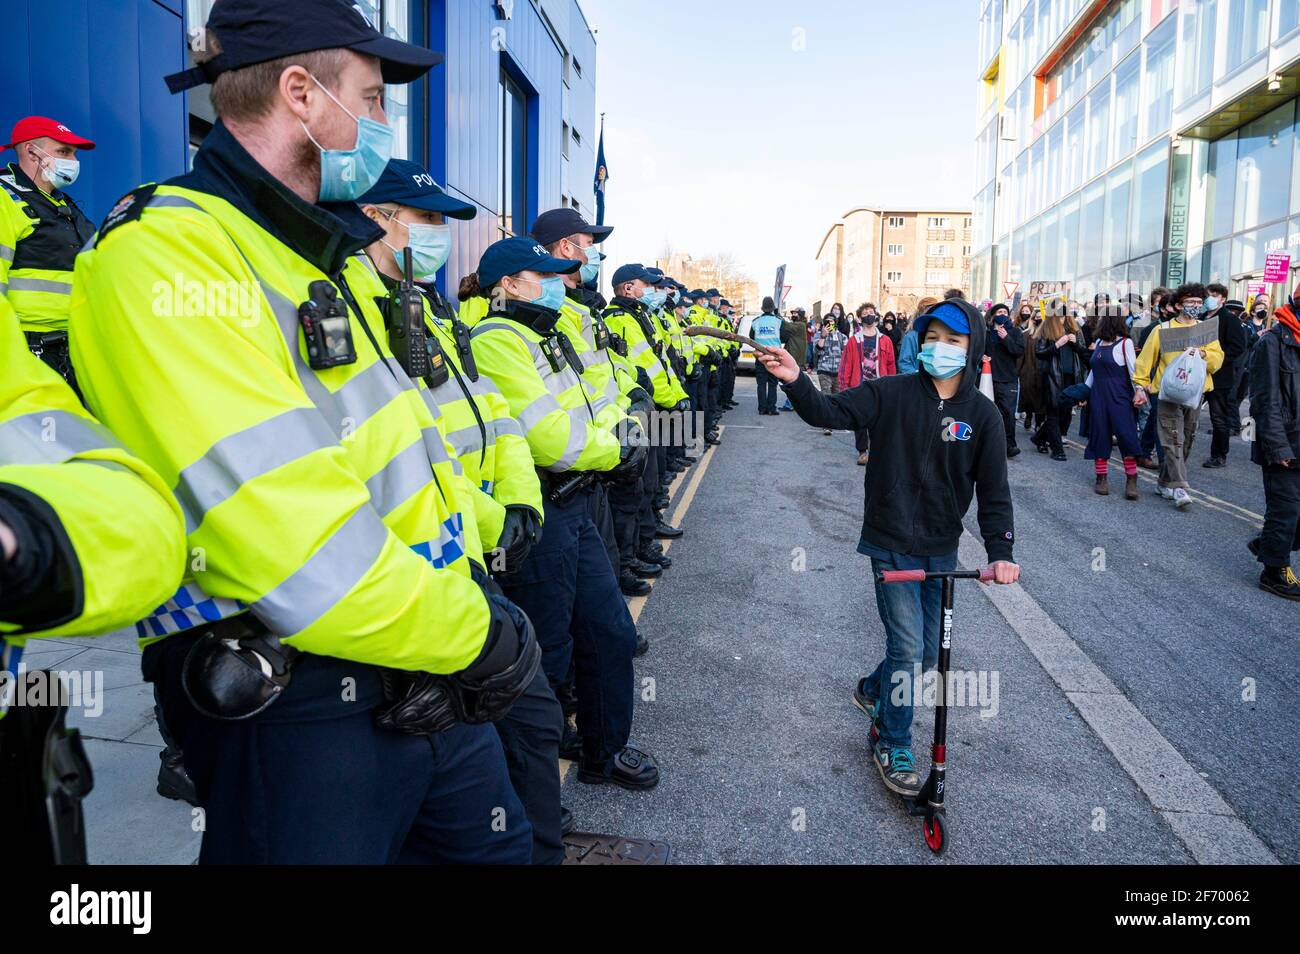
[430, 247]
[942, 360]
[1212, 302]
[348, 174]
[61, 173]
[551, 294]
[589, 271]
[652, 298]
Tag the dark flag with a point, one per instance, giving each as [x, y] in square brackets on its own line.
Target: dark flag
[602, 175]
[779, 293]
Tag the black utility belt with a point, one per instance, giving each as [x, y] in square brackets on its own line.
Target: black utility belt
[561, 488]
[236, 668]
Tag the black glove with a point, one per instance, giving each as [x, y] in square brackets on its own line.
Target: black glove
[638, 396]
[682, 406]
[519, 532]
[631, 462]
[644, 382]
[420, 703]
[508, 664]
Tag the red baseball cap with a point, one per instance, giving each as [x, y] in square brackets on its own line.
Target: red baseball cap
[34, 127]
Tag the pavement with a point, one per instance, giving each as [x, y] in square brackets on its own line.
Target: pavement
[1138, 688]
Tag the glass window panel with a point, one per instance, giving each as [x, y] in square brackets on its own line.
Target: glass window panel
[1098, 129]
[1264, 150]
[1119, 187]
[1067, 260]
[1126, 107]
[1288, 17]
[1194, 270]
[1197, 22]
[1248, 249]
[1158, 80]
[1031, 253]
[1150, 185]
[1022, 187]
[1052, 171]
[1144, 274]
[1048, 246]
[1073, 157]
[1090, 226]
[1036, 177]
[1215, 268]
[1221, 179]
[1247, 30]
[1015, 250]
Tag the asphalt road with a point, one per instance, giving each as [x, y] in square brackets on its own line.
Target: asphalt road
[1146, 687]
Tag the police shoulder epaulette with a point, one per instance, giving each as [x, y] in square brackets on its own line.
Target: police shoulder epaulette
[129, 208]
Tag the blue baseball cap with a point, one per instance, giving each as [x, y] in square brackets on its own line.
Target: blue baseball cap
[407, 183]
[698, 293]
[633, 271]
[520, 253]
[713, 293]
[258, 31]
[952, 315]
[556, 224]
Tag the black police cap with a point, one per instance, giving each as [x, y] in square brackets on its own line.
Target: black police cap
[257, 31]
[556, 224]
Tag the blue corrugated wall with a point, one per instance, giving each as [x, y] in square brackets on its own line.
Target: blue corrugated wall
[112, 93]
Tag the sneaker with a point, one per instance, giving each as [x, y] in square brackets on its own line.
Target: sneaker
[1013, 452]
[897, 769]
[1166, 492]
[1215, 462]
[1280, 581]
[863, 701]
[1182, 499]
[1148, 463]
[827, 432]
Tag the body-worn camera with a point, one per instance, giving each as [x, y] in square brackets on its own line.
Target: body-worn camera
[325, 328]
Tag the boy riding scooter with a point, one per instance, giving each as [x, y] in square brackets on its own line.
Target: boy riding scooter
[940, 441]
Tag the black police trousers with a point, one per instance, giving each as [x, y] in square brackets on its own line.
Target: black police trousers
[570, 592]
[530, 734]
[312, 780]
[1281, 533]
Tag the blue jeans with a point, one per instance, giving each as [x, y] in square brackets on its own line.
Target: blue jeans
[912, 613]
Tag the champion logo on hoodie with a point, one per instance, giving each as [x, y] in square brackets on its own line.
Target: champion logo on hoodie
[955, 430]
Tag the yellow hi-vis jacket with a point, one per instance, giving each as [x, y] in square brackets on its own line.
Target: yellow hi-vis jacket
[703, 344]
[681, 340]
[121, 531]
[472, 310]
[474, 420]
[323, 501]
[556, 408]
[642, 353]
[40, 236]
[603, 370]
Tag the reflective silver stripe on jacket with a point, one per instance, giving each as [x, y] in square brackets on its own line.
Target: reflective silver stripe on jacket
[40, 285]
[246, 455]
[51, 437]
[6, 253]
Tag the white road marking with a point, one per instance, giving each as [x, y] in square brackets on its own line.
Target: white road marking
[1198, 815]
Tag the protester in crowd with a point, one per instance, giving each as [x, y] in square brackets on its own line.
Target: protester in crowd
[1275, 407]
[766, 330]
[1232, 339]
[796, 337]
[867, 355]
[1004, 345]
[1111, 399]
[1031, 399]
[907, 354]
[829, 343]
[1177, 422]
[1152, 451]
[1061, 360]
[893, 329]
[1255, 325]
[841, 319]
[952, 293]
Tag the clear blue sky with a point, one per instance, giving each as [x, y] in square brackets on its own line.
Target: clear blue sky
[723, 135]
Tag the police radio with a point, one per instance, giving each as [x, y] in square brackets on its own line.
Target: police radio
[325, 328]
[405, 320]
[467, 363]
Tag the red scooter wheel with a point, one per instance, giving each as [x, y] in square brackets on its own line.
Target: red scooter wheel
[934, 834]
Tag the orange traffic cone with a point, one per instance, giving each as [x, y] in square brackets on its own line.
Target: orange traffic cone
[986, 379]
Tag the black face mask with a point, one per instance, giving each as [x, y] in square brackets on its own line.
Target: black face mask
[1261, 313]
[869, 319]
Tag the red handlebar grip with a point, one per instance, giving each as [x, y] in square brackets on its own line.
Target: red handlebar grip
[903, 576]
[987, 575]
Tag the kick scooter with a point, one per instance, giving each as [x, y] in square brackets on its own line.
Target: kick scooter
[928, 804]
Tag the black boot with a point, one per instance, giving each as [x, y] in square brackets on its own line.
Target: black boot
[647, 571]
[1280, 581]
[570, 743]
[631, 586]
[630, 768]
[666, 531]
[656, 559]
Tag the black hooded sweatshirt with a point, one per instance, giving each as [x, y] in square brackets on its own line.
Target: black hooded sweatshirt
[927, 455]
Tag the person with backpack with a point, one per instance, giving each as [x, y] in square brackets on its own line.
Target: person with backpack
[1177, 413]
